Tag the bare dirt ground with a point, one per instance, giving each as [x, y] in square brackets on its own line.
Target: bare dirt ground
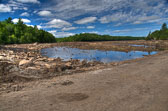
[136, 86]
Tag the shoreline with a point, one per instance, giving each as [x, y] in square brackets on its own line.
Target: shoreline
[24, 63]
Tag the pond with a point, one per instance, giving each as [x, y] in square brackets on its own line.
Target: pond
[66, 53]
[134, 45]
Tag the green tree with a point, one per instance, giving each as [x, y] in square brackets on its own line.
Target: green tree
[164, 27]
[9, 20]
[20, 33]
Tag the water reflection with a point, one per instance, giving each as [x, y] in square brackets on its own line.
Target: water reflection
[92, 55]
[145, 46]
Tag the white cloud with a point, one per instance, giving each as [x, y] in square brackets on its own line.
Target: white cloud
[147, 19]
[90, 27]
[38, 26]
[67, 9]
[5, 8]
[94, 32]
[120, 18]
[35, 11]
[61, 34]
[53, 31]
[73, 8]
[57, 23]
[24, 20]
[129, 30]
[24, 14]
[86, 20]
[25, 8]
[118, 24]
[45, 13]
[117, 17]
[69, 28]
[30, 25]
[28, 1]
[137, 12]
[17, 5]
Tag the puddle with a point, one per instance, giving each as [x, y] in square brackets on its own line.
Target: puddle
[145, 46]
[66, 53]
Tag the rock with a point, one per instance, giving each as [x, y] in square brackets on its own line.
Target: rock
[58, 59]
[67, 82]
[31, 55]
[41, 59]
[25, 63]
[59, 69]
[48, 66]
[68, 64]
[14, 69]
[2, 57]
[36, 43]
[32, 68]
[5, 58]
[51, 65]
[51, 59]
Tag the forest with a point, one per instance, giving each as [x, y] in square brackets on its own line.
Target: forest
[20, 33]
[90, 37]
[161, 34]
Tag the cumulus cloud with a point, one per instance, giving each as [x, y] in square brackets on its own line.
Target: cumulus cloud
[57, 23]
[30, 25]
[69, 8]
[5, 8]
[61, 34]
[28, 1]
[86, 20]
[24, 14]
[115, 10]
[24, 20]
[38, 26]
[93, 32]
[17, 5]
[90, 27]
[73, 8]
[69, 28]
[45, 13]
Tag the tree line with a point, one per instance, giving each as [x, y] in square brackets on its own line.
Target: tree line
[19, 33]
[161, 34]
[89, 37]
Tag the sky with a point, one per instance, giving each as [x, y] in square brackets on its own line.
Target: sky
[64, 18]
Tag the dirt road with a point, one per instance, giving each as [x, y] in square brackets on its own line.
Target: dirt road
[136, 86]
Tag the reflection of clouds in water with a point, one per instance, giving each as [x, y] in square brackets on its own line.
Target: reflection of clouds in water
[105, 60]
[92, 55]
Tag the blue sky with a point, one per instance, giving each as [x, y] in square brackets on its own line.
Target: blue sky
[68, 17]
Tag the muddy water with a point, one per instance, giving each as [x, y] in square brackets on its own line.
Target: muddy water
[66, 53]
